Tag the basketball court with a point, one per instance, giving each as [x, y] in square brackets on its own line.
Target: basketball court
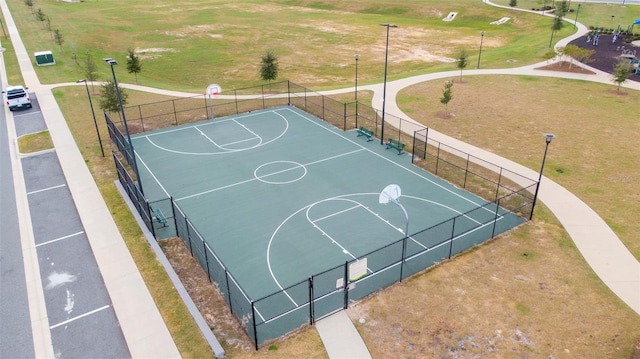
[280, 196]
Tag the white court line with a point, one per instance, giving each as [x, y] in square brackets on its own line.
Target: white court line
[387, 159]
[225, 150]
[78, 317]
[47, 189]
[272, 174]
[59, 239]
[152, 175]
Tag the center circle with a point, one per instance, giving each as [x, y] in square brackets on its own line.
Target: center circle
[280, 172]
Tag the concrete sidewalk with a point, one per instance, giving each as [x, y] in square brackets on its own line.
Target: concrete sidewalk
[144, 329]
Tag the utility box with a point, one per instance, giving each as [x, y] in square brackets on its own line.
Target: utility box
[44, 58]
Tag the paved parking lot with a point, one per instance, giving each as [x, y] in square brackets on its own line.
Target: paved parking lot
[81, 318]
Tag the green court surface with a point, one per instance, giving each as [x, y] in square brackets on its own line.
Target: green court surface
[280, 195]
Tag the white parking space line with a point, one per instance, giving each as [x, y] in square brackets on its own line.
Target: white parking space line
[46, 189]
[78, 317]
[27, 114]
[59, 239]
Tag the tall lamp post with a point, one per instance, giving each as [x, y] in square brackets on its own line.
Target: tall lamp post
[384, 86]
[112, 62]
[575, 23]
[93, 114]
[355, 92]
[480, 53]
[547, 137]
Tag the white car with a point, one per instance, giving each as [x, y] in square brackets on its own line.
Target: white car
[16, 97]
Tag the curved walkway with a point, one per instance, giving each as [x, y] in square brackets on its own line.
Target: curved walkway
[599, 245]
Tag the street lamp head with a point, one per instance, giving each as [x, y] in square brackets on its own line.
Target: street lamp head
[356, 56]
[81, 81]
[389, 25]
[548, 137]
[481, 33]
[110, 61]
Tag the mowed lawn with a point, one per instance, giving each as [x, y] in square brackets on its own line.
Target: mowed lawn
[533, 280]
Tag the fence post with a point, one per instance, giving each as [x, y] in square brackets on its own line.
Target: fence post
[346, 285]
[186, 223]
[495, 219]
[262, 90]
[235, 97]
[438, 157]
[344, 117]
[153, 228]
[453, 231]
[141, 120]
[311, 310]
[173, 211]
[253, 319]
[288, 92]
[498, 184]
[206, 258]
[175, 113]
[226, 277]
[404, 251]
[466, 172]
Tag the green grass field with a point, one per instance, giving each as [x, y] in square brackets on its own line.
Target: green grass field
[186, 45]
[222, 42]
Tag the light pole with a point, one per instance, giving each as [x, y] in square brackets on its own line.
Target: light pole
[355, 92]
[112, 62]
[480, 53]
[547, 137]
[93, 114]
[575, 23]
[384, 86]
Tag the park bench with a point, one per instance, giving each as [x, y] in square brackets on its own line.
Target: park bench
[396, 145]
[368, 133]
[159, 217]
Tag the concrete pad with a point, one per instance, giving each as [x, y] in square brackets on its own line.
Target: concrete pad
[340, 337]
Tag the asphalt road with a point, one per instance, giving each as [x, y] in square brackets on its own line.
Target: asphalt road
[15, 327]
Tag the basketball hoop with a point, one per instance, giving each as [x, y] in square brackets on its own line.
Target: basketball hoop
[212, 91]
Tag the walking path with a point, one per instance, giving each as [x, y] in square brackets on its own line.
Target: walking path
[144, 330]
[599, 245]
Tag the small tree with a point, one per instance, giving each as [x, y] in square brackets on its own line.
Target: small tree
[29, 3]
[269, 67]
[621, 72]
[462, 61]
[109, 97]
[513, 3]
[40, 15]
[447, 95]
[562, 9]
[90, 70]
[134, 66]
[578, 53]
[551, 54]
[58, 38]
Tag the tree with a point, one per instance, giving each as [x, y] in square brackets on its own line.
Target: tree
[621, 71]
[134, 66]
[269, 66]
[58, 38]
[447, 95]
[513, 3]
[562, 9]
[109, 97]
[90, 70]
[462, 61]
[578, 53]
[40, 15]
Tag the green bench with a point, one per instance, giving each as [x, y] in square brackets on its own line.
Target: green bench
[396, 145]
[368, 133]
[159, 217]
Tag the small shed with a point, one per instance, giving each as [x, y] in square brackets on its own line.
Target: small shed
[44, 58]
